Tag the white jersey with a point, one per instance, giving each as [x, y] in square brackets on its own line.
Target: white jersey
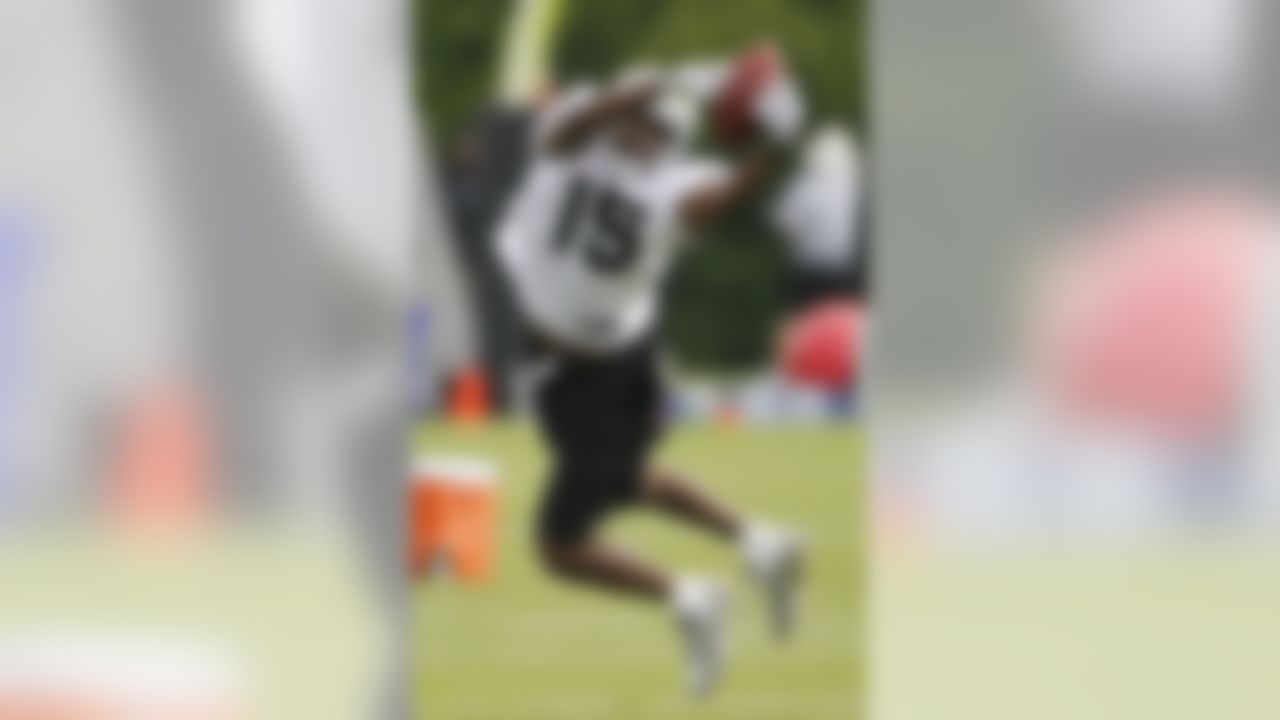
[589, 237]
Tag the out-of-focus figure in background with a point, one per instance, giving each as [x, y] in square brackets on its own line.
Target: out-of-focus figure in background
[1075, 376]
[820, 215]
[478, 177]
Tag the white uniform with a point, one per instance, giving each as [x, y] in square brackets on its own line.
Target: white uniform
[590, 236]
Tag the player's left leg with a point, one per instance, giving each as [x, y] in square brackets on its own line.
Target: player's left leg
[596, 563]
[682, 497]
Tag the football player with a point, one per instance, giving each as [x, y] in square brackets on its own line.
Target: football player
[612, 195]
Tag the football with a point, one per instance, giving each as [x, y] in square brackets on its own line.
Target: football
[732, 114]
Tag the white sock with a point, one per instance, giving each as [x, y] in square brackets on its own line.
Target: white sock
[758, 538]
[692, 595]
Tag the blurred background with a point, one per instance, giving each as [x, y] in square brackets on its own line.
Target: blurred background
[247, 308]
[1074, 361]
[207, 220]
[763, 332]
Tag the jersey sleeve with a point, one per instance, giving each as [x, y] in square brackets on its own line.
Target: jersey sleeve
[691, 176]
[564, 107]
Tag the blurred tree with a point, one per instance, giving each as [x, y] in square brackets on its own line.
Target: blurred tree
[456, 53]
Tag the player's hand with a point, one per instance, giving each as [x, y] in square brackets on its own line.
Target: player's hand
[780, 110]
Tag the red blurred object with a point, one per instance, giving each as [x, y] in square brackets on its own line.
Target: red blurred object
[732, 114]
[1145, 325]
[161, 473]
[822, 346]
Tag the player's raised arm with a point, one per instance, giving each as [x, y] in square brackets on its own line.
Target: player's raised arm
[776, 117]
[707, 205]
[578, 120]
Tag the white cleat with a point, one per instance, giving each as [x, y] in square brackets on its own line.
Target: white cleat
[701, 610]
[775, 563]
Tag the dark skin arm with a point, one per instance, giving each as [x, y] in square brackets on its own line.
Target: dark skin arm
[707, 206]
[580, 128]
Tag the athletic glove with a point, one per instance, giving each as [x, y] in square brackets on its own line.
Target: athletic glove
[780, 110]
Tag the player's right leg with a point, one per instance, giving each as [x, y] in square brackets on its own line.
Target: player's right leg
[699, 606]
[571, 549]
[774, 557]
[586, 412]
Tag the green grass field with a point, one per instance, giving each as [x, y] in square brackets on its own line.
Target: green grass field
[527, 648]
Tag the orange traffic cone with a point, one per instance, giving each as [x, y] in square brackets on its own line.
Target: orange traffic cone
[469, 402]
[727, 416]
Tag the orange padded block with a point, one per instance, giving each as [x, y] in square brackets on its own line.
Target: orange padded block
[454, 505]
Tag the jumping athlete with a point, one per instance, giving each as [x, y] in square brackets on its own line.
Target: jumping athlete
[612, 194]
